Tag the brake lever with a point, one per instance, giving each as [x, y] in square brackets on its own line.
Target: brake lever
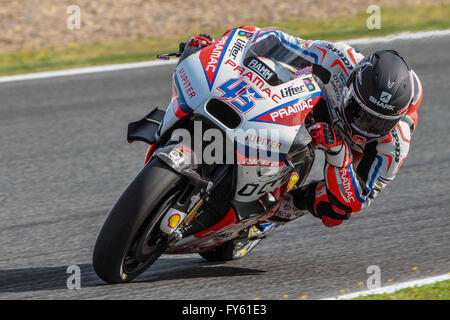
[166, 56]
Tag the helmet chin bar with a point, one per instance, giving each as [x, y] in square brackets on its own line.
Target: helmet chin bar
[367, 135]
[346, 127]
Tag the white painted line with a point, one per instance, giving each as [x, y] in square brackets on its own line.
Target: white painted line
[150, 64]
[88, 70]
[392, 288]
[401, 36]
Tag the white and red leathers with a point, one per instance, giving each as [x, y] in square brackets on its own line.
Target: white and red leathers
[354, 173]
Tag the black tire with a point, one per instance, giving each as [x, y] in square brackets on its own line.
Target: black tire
[131, 220]
[224, 252]
[230, 250]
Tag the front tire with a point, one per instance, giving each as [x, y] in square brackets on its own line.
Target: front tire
[130, 240]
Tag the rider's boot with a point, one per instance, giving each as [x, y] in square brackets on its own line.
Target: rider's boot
[296, 203]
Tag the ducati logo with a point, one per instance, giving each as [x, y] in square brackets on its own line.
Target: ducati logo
[385, 97]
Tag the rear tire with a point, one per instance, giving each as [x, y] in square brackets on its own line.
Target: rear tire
[134, 217]
[224, 252]
[230, 250]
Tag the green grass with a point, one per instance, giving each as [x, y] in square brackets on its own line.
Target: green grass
[437, 291]
[393, 20]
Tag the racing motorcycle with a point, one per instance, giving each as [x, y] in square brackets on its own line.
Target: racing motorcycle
[178, 204]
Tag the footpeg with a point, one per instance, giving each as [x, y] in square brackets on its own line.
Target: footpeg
[259, 231]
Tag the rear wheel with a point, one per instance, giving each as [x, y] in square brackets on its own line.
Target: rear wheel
[230, 250]
[130, 240]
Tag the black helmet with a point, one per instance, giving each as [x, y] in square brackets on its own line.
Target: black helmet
[377, 96]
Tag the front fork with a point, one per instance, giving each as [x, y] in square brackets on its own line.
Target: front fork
[182, 216]
[179, 216]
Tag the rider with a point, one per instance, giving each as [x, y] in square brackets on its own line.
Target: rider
[363, 123]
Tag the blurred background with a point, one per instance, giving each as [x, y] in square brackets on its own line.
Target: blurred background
[35, 34]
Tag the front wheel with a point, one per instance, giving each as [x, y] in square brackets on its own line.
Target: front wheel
[130, 239]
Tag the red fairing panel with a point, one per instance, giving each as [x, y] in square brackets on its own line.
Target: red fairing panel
[229, 219]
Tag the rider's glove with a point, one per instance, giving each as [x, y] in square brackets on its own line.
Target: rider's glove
[323, 136]
[200, 41]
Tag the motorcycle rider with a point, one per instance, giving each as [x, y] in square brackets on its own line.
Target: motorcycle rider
[363, 122]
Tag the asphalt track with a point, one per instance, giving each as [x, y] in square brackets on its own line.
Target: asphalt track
[64, 162]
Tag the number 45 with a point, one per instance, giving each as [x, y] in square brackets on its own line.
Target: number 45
[240, 94]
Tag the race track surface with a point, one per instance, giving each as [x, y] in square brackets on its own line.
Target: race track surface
[65, 160]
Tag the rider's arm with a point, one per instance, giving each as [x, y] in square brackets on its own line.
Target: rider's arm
[325, 56]
[298, 46]
[348, 188]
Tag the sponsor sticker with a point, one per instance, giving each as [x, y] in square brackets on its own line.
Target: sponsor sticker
[347, 185]
[292, 90]
[261, 69]
[263, 141]
[237, 47]
[291, 113]
[383, 102]
[292, 181]
[341, 55]
[244, 34]
[255, 79]
[174, 220]
[304, 43]
[211, 56]
[309, 84]
[385, 97]
[171, 220]
[239, 94]
[303, 71]
[190, 92]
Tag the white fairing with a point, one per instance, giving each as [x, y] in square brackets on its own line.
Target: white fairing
[271, 115]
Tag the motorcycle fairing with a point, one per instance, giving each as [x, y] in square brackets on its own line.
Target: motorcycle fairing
[146, 128]
[219, 72]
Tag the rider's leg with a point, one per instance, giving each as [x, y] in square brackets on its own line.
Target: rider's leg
[312, 198]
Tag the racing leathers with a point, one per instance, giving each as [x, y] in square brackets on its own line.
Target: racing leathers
[354, 173]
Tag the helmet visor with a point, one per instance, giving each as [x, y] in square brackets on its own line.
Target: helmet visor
[364, 122]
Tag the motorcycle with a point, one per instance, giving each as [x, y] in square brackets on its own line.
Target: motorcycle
[247, 83]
